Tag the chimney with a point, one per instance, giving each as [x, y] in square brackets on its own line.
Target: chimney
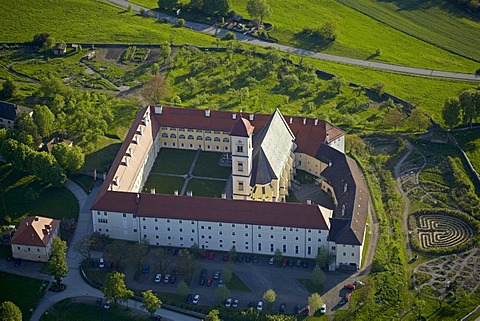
[250, 117]
[291, 120]
[304, 121]
[207, 112]
[189, 193]
[316, 122]
[158, 110]
[327, 139]
[309, 201]
[224, 195]
[137, 199]
[234, 116]
[152, 191]
[175, 192]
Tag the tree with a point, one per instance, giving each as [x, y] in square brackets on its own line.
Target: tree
[318, 277]
[194, 250]
[183, 288]
[213, 315]
[9, 89]
[324, 257]
[85, 246]
[315, 302]
[181, 22]
[233, 254]
[289, 81]
[470, 105]
[451, 112]
[10, 312]
[278, 256]
[378, 88]
[216, 7]
[222, 293]
[27, 127]
[328, 31]
[419, 119]
[138, 252]
[228, 272]
[156, 89]
[167, 4]
[270, 296]
[196, 5]
[186, 264]
[43, 118]
[259, 10]
[115, 289]
[353, 145]
[165, 51]
[39, 39]
[116, 252]
[49, 43]
[57, 265]
[336, 83]
[163, 260]
[70, 158]
[151, 302]
[394, 117]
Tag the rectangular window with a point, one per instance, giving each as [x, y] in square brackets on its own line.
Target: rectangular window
[240, 166]
[240, 186]
[264, 190]
[259, 247]
[239, 148]
[271, 248]
[135, 230]
[124, 215]
[309, 250]
[296, 249]
[156, 228]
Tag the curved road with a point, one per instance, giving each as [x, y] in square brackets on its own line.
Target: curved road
[303, 52]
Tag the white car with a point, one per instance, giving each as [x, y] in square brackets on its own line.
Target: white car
[228, 303]
[271, 261]
[107, 305]
[166, 278]
[235, 303]
[196, 298]
[323, 309]
[158, 278]
[260, 306]
[101, 263]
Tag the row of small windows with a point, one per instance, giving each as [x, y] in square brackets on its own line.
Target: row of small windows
[191, 137]
[195, 130]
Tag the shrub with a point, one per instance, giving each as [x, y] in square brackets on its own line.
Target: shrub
[378, 52]
[328, 31]
[181, 22]
[477, 72]
[229, 36]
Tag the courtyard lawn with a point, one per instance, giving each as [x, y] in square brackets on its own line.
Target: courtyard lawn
[101, 159]
[84, 181]
[25, 292]
[173, 161]
[469, 140]
[25, 195]
[206, 188]
[207, 166]
[75, 311]
[163, 184]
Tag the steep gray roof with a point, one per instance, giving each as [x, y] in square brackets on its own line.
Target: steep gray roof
[271, 148]
[10, 111]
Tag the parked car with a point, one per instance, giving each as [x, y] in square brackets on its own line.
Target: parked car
[271, 261]
[188, 298]
[107, 305]
[220, 283]
[239, 258]
[298, 263]
[166, 279]
[282, 308]
[101, 263]
[248, 258]
[17, 262]
[305, 264]
[146, 269]
[235, 303]
[173, 279]
[202, 280]
[211, 255]
[228, 303]
[251, 304]
[297, 309]
[359, 283]
[196, 298]
[323, 309]
[203, 254]
[174, 272]
[291, 263]
[209, 281]
[285, 262]
[158, 278]
[203, 272]
[157, 318]
[216, 275]
[350, 286]
[225, 257]
[98, 302]
[260, 305]
[255, 259]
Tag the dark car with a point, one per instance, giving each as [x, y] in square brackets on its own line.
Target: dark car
[146, 269]
[209, 281]
[98, 302]
[203, 254]
[203, 272]
[239, 258]
[305, 264]
[17, 262]
[157, 318]
[248, 258]
[202, 280]
[291, 263]
[188, 298]
[251, 304]
[282, 308]
[255, 259]
[225, 257]
[299, 263]
[297, 309]
[172, 279]
[285, 262]
[211, 255]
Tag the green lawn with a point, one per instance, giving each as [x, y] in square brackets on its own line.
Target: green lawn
[173, 161]
[434, 21]
[206, 188]
[102, 158]
[310, 286]
[207, 166]
[469, 140]
[236, 284]
[71, 310]
[360, 35]
[86, 21]
[163, 184]
[84, 181]
[25, 292]
[25, 195]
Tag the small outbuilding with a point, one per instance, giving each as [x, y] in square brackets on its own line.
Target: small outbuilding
[34, 237]
[59, 49]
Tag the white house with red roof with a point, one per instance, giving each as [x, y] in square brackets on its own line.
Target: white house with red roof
[266, 151]
[34, 237]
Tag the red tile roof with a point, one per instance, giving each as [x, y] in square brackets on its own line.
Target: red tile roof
[242, 128]
[35, 231]
[214, 209]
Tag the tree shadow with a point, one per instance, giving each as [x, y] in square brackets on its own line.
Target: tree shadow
[310, 42]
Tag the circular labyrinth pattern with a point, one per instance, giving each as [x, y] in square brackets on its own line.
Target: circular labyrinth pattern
[441, 231]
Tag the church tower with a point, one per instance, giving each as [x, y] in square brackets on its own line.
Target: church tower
[242, 158]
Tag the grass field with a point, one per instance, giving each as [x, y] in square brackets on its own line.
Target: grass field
[76, 311]
[173, 161]
[206, 188]
[163, 184]
[469, 140]
[92, 21]
[206, 166]
[434, 21]
[25, 292]
[37, 198]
